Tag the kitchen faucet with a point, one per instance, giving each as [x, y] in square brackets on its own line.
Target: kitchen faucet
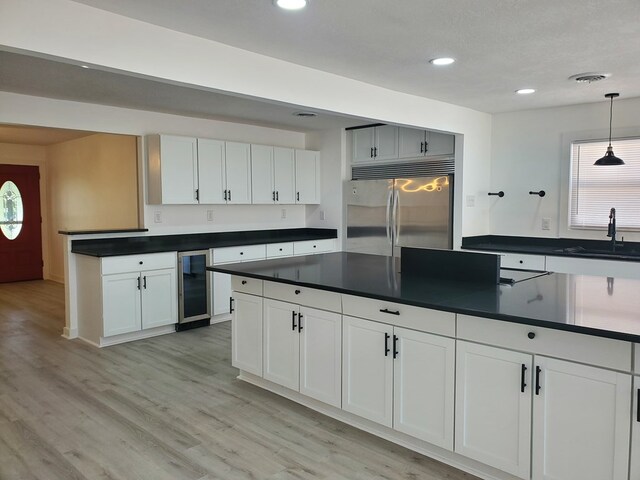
[611, 229]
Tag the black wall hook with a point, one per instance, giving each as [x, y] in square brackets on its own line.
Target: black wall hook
[498, 194]
[541, 193]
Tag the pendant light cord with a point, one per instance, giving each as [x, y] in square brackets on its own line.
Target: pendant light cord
[610, 117]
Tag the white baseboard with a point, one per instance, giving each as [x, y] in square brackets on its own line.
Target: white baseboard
[56, 278]
[131, 337]
[69, 333]
[223, 317]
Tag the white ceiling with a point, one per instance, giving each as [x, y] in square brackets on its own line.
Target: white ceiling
[38, 135]
[500, 45]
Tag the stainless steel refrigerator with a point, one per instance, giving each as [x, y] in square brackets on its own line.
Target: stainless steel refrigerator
[384, 215]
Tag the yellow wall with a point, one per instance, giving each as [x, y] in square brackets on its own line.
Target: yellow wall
[92, 183]
[14, 154]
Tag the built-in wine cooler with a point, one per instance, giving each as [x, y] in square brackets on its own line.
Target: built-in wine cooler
[194, 292]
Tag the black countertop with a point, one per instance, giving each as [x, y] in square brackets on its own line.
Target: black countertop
[563, 247]
[578, 303]
[102, 232]
[108, 247]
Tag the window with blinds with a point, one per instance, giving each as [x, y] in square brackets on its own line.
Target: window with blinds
[594, 190]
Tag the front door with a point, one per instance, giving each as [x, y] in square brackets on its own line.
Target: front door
[20, 224]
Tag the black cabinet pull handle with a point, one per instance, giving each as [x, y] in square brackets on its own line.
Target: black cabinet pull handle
[523, 384]
[278, 196]
[371, 154]
[538, 370]
[293, 320]
[230, 304]
[197, 194]
[144, 282]
[421, 147]
[386, 344]
[299, 322]
[297, 292]
[297, 196]
[375, 151]
[395, 346]
[638, 407]
[229, 195]
[225, 195]
[390, 312]
[426, 147]
[244, 282]
[540, 193]
[531, 335]
[138, 283]
[273, 195]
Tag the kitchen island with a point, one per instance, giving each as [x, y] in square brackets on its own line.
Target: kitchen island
[531, 379]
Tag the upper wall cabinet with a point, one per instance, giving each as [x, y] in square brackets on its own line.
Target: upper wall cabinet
[273, 178]
[307, 176]
[374, 143]
[414, 143]
[173, 169]
[237, 173]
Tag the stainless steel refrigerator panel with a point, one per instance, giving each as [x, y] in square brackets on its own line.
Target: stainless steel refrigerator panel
[421, 215]
[369, 212]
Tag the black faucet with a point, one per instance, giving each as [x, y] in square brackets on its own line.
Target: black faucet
[611, 230]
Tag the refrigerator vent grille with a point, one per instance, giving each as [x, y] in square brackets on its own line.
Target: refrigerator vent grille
[429, 168]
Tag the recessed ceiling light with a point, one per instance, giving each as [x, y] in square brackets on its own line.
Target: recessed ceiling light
[442, 61]
[84, 66]
[525, 91]
[291, 4]
[305, 114]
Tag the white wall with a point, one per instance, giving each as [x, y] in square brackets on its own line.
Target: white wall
[531, 151]
[63, 28]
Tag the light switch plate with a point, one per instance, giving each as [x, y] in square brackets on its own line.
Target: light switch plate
[322, 215]
[546, 223]
[157, 217]
[471, 200]
[209, 215]
[283, 213]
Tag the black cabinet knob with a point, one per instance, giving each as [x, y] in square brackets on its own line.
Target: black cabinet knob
[241, 253]
[297, 292]
[141, 262]
[521, 261]
[531, 335]
[244, 282]
[280, 249]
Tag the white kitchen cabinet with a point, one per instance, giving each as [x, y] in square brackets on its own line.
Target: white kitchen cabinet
[311, 247]
[173, 169]
[238, 173]
[211, 171]
[493, 407]
[423, 386]
[415, 143]
[158, 297]
[246, 333]
[121, 304]
[302, 349]
[367, 370]
[273, 177]
[580, 422]
[378, 143]
[307, 174]
[635, 430]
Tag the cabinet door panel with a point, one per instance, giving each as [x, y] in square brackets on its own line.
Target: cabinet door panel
[159, 298]
[493, 416]
[262, 188]
[367, 373]
[307, 177]
[581, 422]
[246, 333]
[440, 143]
[424, 387]
[284, 175]
[121, 304]
[362, 143]
[179, 157]
[211, 171]
[411, 142]
[635, 430]
[221, 285]
[321, 355]
[281, 344]
[386, 143]
[238, 170]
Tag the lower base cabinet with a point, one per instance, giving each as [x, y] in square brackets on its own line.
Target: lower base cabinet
[635, 431]
[400, 378]
[246, 333]
[572, 418]
[301, 350]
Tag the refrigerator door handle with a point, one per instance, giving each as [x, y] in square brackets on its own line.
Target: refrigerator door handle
[396, 226]
[389, 198]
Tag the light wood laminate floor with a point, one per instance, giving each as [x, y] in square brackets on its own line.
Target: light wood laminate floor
[167, 408]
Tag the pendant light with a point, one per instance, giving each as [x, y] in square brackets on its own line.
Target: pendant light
[609, 158]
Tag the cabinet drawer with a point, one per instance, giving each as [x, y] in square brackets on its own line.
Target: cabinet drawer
[248, 285]
[279, 249]
[599, 351]
[309, 297]
[523, 262]
[408, 316]
[239, 254]
[139, 263]
[315, 246]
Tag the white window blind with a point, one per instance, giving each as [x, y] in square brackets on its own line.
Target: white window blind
[594, 190]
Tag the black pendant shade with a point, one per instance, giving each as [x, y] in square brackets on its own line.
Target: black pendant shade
[609, 158]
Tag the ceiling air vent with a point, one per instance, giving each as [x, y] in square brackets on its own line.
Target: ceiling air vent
[589, 77]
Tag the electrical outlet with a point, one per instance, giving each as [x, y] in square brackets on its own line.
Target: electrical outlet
[546, 223]
[322, 215]
[471, 200]
[157, 217]
[209, 215]
[283, 213]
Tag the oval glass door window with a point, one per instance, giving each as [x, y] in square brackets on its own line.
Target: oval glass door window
[11, 211]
